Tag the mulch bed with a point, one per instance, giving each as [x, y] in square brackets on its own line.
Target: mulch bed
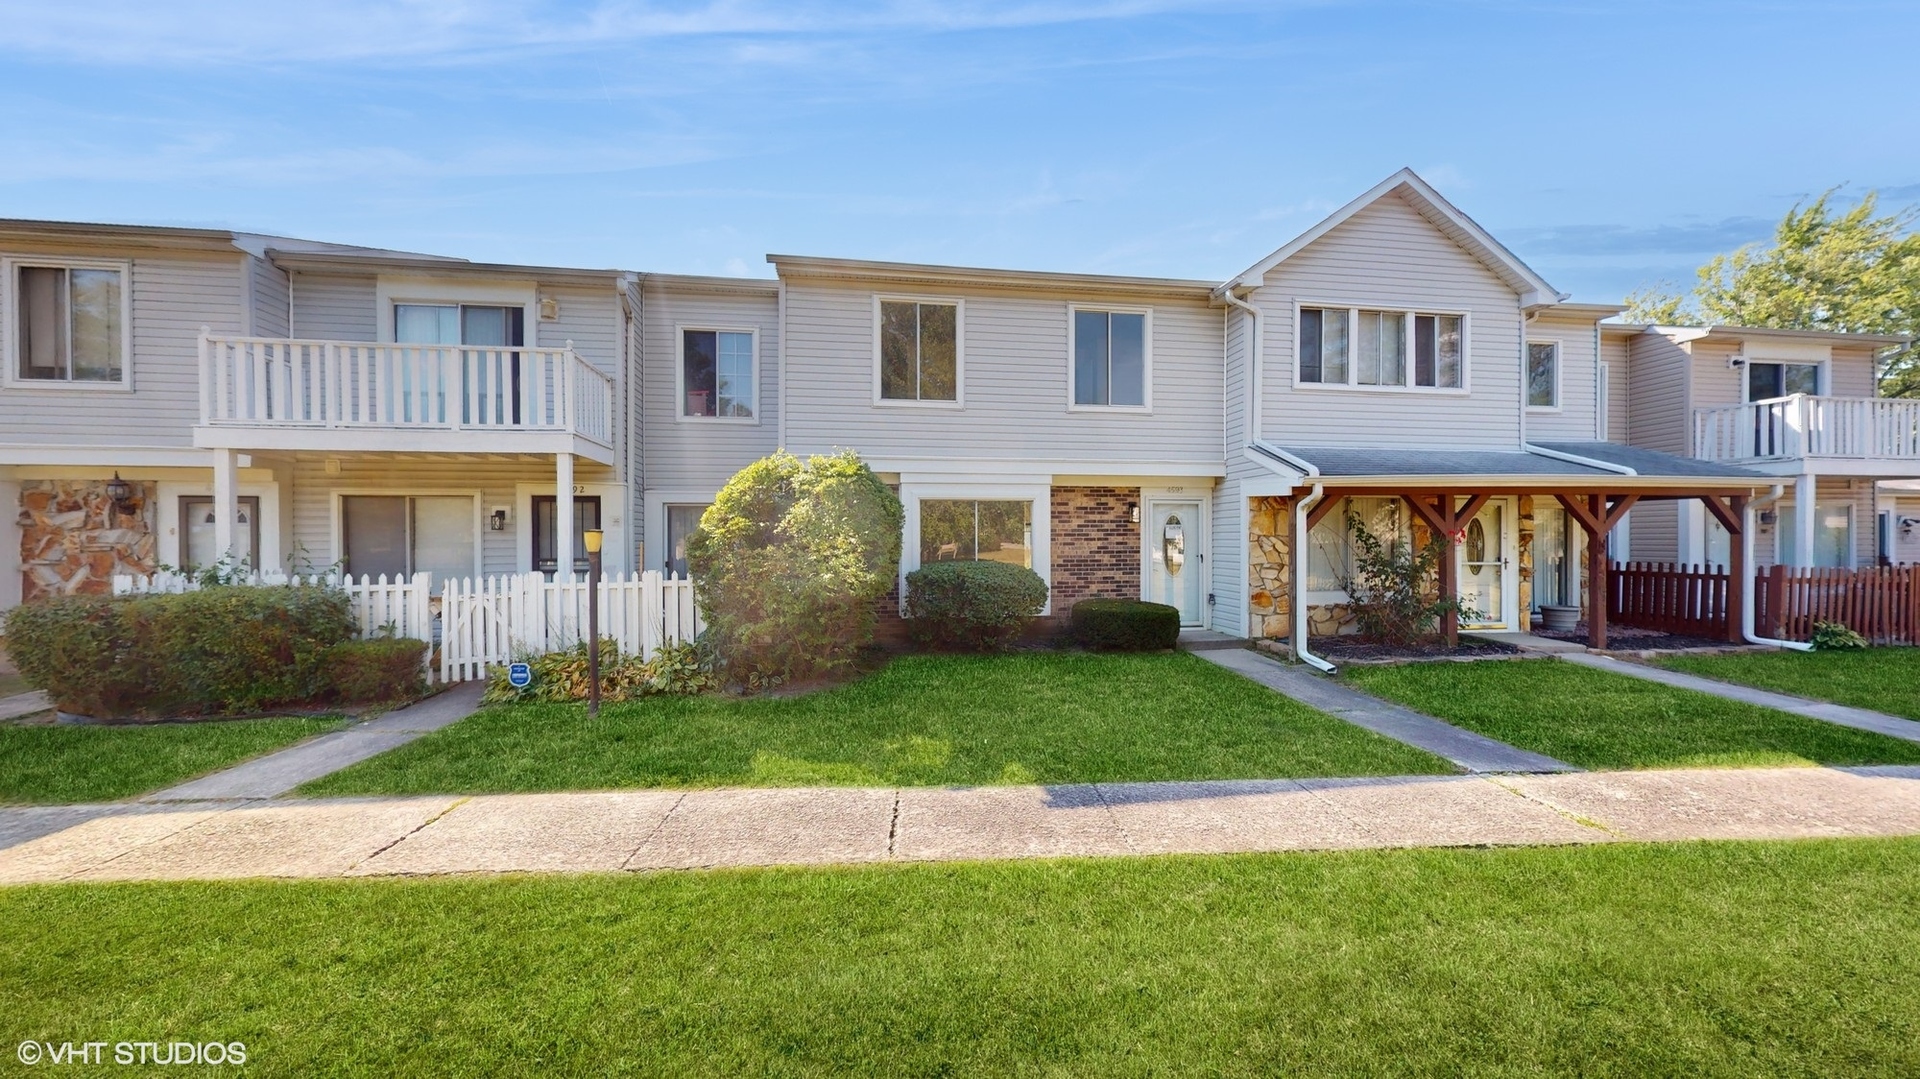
[1351, 649]
[1633, 638]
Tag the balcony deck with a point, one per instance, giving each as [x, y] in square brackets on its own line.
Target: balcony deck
[264, 393]
[1866, 436]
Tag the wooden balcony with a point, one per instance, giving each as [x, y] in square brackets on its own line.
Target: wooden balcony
[1805, 433]
[268, 393]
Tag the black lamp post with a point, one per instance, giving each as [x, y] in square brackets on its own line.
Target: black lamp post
[593, 539]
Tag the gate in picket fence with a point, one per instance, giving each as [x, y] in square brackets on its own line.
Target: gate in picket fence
[401, 607]
[493, 621]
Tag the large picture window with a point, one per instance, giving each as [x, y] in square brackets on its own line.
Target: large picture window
[956, 530]
[1351, 346]
[1109, 359]
[69, 323]
[399, 535]
[919, 351]
[1330, 544]
[716, 374]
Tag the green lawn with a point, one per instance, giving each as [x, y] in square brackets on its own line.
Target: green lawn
[52, 765]
[1599, 720]
[1035, 717]
[1883, 679]
[1689, 959]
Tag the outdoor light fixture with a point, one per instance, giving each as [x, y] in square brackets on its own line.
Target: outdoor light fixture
[120, 492]
[1133, 512]
[1767, 517]
[497, 520]
[592, 539]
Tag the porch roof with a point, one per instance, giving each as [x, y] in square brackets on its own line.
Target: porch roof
[1543, 464]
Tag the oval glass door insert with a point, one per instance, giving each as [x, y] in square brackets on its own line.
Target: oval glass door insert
[1173, 545]
[1476, 541]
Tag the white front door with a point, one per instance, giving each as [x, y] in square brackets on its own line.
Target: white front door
[1175, 558]
[1483, 560]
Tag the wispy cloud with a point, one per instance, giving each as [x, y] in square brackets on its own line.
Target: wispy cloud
[443, 31]
[1703, 238]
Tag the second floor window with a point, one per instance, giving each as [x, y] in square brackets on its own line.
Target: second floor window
[1109, 359]
[919, 351]
[1766, 381]
[70, 324]
[716, 371]
[1543, 374]
[1358, 347]
[458, 324]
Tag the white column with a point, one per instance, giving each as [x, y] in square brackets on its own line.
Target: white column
[1803, 520]
[563, 516]
[226, 505]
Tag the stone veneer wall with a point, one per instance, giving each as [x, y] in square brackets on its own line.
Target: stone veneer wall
[74, 540]
[1096, 546]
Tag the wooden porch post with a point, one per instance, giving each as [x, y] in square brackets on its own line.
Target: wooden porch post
[1449, 571]
[1600, 592]
[1733, 517]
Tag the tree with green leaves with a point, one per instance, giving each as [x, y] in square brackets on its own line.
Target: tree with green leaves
[1856, 271]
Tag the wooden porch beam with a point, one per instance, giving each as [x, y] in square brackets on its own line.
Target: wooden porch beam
[1578, 511]
[1328, 500]
[1418, 501]
[1619, 509]
[1721, 513]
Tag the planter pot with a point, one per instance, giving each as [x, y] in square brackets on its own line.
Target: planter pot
[1559, 619]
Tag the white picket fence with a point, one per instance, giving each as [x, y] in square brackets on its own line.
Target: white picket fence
[402, 606]
[496, 620]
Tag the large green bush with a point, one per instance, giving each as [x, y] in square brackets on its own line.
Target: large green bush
[1125, 625]
[674, 670]
[791, 561]
[376, 669]
[972, 605]
[215, 651]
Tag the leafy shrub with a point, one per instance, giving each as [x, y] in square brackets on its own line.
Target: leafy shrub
[791, 561]
[215, 651]
[1836, 637]
[563, 676]
[972, 605]
[1125, 625]
[376, 669]
[1393, 592]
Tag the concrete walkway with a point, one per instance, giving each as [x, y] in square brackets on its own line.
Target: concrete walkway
[277, 773]
[1473, 752]
[24, 704]
[1860, 718]
[652, 829]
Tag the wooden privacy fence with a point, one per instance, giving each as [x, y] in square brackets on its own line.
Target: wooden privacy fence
[495, 620]
[1689, 600]
[402, 606]
[1881, 603]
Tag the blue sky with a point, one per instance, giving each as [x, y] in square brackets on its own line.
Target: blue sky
[1611, 145]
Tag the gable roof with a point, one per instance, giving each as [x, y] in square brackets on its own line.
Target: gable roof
[1456, 226]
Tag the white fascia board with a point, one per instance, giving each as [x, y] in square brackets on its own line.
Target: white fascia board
[105, 456]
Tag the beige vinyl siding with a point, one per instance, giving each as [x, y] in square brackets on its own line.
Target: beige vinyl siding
[1659, 413]
[1906, 545]
[1015, 375]
[1851, 373]
[1389, 256]
[1613, 353]
[335, 307]
[696, 455]
[590, 318]
[1576, 419]
[1654, 535]
[267, 295]
[314, 496]
[1714, 383]
[172, 294]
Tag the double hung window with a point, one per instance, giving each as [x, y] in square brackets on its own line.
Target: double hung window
[1109, 359]
[919, 351]
[69, 323]
[716, 374]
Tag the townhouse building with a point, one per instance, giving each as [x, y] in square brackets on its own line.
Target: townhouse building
[171, 395]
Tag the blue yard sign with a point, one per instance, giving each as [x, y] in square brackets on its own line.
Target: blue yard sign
[520, 675]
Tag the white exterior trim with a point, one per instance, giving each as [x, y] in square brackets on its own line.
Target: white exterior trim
[680, 332]
[1146, 372]
[1353, 320]
[1039, 494]
[654, 530]
[1201, 545]
[1526, 383]
[390, 289]
[959, 305]
[9, 325]
[336, 526]
[613, 503]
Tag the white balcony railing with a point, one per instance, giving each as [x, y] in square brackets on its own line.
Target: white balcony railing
[1808, 426]
[276, 382]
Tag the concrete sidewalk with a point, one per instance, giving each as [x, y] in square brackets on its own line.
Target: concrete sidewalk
[277, 773]
[24, 704]
[654, 829]
[1826, 711]
[1472, 752]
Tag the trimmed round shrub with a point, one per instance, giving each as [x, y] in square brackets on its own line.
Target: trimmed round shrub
[1125, 625]
[791, 562]
[972, 605]
[219, 650]
[376, 669]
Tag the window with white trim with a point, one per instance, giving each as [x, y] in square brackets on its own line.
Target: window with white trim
[1353, 346]
[69, 322]
[1769, 381]
[968, 530]
[919, 351]
[1330, 544]
[1110, 358]
[716, 374]
[1543, 374]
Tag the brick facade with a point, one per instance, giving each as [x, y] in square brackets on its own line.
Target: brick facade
[1096, 545]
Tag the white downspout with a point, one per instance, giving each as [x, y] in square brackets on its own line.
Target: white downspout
[1746, 586]
[1254, 364]
[1299, 553]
